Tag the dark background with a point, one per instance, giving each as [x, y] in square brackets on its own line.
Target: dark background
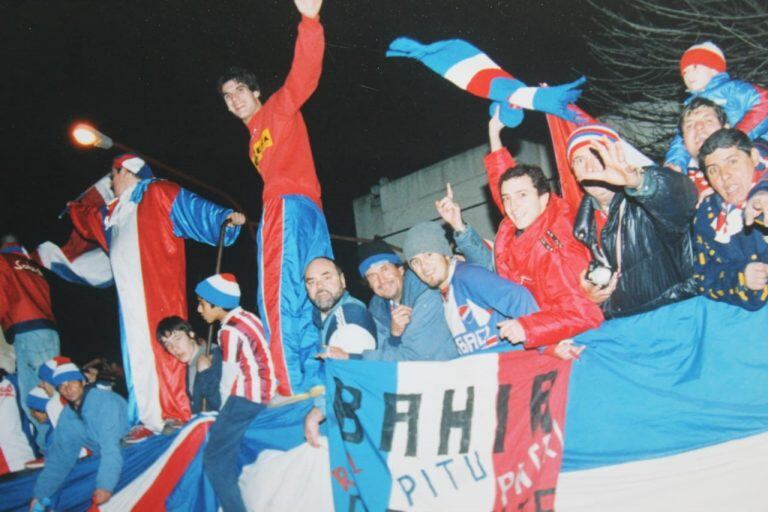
[145, 74]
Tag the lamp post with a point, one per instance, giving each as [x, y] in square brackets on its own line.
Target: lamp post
[87, 136]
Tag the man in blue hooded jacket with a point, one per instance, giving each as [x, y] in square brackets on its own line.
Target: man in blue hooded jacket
[409, 317]
[94, 418]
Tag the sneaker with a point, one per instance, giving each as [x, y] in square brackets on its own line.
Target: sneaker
[171, 427]
[35, 464]
[137, 434]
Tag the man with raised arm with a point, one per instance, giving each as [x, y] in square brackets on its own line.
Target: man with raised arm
[534, 247]
[292, 231]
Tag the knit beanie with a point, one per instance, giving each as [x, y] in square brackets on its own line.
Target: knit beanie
[66, 372]
[45, 372]
[133, 164]
[37, 399]
[426, 237]
[373, 253]
[220, 290]
[583, 135]
[705, 54]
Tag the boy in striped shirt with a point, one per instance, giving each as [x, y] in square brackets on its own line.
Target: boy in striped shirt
[248, 382]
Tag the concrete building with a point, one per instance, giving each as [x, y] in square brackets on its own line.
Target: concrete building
[394, 206]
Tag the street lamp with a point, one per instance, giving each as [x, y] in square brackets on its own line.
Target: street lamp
[86, 135]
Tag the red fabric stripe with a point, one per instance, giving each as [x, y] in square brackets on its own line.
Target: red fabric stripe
[560, 130]
[519, 369]
[250, 326]
[245, 370]
[756, 114]
[163, 269]
[4, 468]
[480, 84]
[272, 261]
[154, 498]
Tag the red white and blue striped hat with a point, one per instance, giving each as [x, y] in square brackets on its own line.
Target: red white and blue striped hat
[220, 290]
[66, 372]
[45, 372]
[704, 54]
[133, 164]
[587, 133]
[37, 399]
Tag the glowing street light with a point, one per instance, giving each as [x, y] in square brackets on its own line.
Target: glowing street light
[86, 135]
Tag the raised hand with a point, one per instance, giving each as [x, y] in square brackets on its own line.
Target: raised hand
[494, 130]
[308, 8]
[616, 170]
[449, 210]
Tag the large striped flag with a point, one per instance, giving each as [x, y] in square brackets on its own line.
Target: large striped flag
[666, 411]
[469, 68]
[79, 260]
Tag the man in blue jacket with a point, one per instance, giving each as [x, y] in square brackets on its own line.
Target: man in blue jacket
[479, 306]
[94, 418]
[731, 239]
[410, 324]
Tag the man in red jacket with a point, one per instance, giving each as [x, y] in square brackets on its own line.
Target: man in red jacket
[26, 316]
[292, 231]
[534, 247]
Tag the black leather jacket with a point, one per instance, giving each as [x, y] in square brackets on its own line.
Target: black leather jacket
[656, 255]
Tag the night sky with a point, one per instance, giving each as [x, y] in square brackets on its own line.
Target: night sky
[145, 74]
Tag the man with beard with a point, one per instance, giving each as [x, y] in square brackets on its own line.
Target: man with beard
[410, 325]
[343, 323]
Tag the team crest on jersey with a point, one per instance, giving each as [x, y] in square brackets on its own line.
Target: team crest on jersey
[469, 325]
[260, 146]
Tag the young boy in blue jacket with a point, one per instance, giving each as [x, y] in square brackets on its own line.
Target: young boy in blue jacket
[746, 105]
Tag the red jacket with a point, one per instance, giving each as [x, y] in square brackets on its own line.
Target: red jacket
[546, 259]
[25, 300]
[279, 146]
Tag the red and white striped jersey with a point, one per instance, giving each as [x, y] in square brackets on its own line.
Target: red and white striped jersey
[247, 369]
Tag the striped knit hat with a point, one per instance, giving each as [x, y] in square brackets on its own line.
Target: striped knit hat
[705, 54]
[220, 290]
[66, 372]
[133, 164]
[37, 399]
[587, 133]
[45, 373]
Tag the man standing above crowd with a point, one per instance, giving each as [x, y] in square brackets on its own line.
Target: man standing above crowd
[26, 317]
[292, 230]
[636, 223]
[731, 239]
[94, 418]
[143, 231]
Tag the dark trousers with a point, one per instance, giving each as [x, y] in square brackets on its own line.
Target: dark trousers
[220, 455]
